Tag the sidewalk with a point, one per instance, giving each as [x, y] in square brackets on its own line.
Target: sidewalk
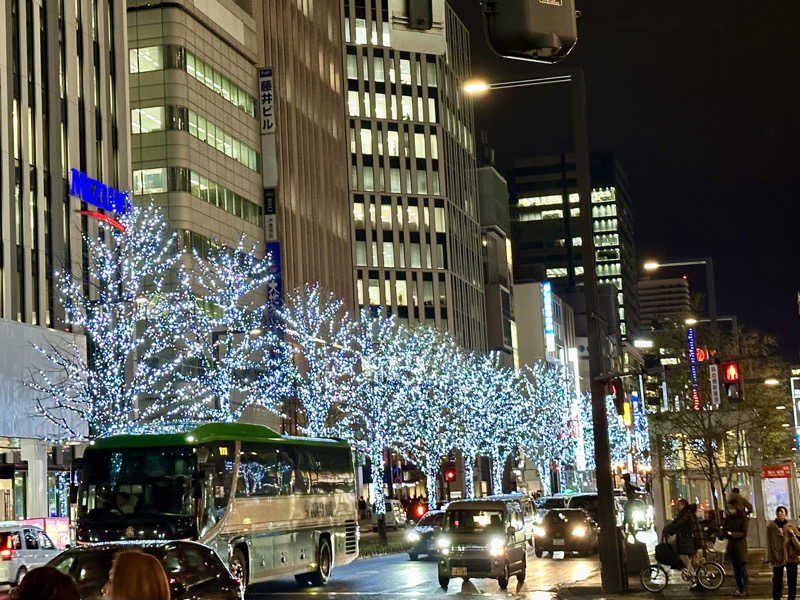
[370, 544]
[760, 587]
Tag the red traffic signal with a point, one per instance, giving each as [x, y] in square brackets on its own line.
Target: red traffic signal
[731, 372]
[450, 474]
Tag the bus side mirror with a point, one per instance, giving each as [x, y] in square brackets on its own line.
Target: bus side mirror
[542, 31]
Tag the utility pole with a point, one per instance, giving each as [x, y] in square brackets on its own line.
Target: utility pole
[613, 578]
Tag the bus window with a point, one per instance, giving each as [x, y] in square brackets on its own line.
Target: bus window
[215, 470]
[326, 470]
[258, 471]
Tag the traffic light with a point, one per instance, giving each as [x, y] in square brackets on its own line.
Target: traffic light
[450, 474]
[732, 380]
[535, 30]
[618, 392]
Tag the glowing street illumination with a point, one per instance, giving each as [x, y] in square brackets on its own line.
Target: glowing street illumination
[256, 331]
[771, 381]
[476, 86]
[643, 343]
[691, 321]
[781, 407]
[651, 266]
[141, 300]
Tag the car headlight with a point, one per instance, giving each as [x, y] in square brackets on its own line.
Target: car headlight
[539, 531]
[412, 536]
[537, 519]
[638, 515]
[579, 531]
[443, 543]
[497, 547]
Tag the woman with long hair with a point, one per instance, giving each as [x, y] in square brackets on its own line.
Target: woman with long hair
[136, 576]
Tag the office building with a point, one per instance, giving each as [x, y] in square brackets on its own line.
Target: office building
[195, 143]
[548, 243]
[663, 299]
[413, 181]
[231, 150]
[63, 103]
[498, 269]
[303, 46]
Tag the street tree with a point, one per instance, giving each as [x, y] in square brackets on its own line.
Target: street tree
[128, 318]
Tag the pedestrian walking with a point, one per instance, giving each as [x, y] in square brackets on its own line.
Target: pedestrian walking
[689, 538]
[783, 551]
[46, 583]
[736, 494]
[734, 529]
[136, 576]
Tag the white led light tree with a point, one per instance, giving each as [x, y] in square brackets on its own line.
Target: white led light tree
[320, 333]
[372, 413]
[129, 321]
[547, 387]
[233, 360]
[426, 426]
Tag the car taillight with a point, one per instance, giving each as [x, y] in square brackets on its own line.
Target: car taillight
[6, 554]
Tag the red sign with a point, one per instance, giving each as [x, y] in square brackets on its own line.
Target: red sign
[701, 354]
[777, 472]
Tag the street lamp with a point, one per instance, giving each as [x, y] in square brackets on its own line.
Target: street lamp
[691, 321]
[771, 381]
[611, 573]
[712, 293]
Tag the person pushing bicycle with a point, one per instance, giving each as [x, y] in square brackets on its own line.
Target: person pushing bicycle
[689, 537]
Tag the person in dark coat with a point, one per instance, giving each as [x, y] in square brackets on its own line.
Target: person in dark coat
[734, 529]
[689, 538]
[783, 549]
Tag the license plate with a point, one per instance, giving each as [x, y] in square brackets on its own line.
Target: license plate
[559, 554]
[558, 541]
[458, 572]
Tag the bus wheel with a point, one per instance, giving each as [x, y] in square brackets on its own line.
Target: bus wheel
[323, 572]
[238, 566]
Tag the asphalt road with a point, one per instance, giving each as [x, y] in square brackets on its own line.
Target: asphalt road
[395, 576]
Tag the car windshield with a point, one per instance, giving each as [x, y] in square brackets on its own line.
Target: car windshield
[587, 502]
[89, 569]
[137, 481]
[568, 516]
[553, 503]
[475, 520]
[430, 520]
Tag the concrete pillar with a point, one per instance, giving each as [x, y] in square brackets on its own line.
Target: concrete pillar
[758, 540]
[657, 483]
[34, 452]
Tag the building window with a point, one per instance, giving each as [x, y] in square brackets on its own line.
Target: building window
[388, 255]
[216, 137]
[217, 82]
[146, 120]
[149, 181]
[147, 59]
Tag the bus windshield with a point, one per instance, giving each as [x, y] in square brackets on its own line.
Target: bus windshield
[137, 481]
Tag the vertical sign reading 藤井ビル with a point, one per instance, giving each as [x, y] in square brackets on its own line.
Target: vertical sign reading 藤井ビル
[269, 124]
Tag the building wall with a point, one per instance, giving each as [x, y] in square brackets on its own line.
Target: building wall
[60, 110]
[303, 44]
[413, 185]
[195, 140]
[663, 299]
[529, 315]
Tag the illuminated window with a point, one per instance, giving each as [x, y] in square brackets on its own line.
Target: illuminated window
[366, 140]
[401, 292]
[147, 59]
[431, 68]
[413, 218]
[378, 66]
[394, 177]
[358, 215]
[422, 182]
[407, 104]
[380, 106]
[352, 66]
[405, 71]
[352, 103]
[361, 253]
[552, 214]
[388, 254]
[441, 226]
[419, 145]
[149, 181]
[374, 293]
[393, 143]
[216, 81]
[431, 110]
[145, 120]
[361, 31]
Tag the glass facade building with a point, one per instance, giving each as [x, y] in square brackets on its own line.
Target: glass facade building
[548, 243]
[413, 181]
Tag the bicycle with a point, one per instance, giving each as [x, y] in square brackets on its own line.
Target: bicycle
[709, 574]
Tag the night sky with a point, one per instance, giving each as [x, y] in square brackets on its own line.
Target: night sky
[699, 102]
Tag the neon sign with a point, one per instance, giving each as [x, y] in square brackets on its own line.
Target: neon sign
[549, 326]
[693, 368]
[100, 195]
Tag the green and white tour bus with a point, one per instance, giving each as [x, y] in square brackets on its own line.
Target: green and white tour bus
[273, 505]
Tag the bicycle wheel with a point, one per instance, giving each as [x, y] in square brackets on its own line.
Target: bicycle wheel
[654, 578]
[710, 576]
